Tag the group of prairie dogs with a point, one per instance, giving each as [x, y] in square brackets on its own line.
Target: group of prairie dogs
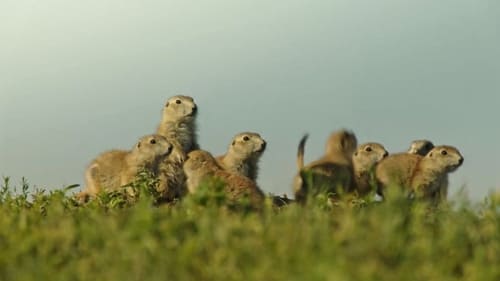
[174, 157]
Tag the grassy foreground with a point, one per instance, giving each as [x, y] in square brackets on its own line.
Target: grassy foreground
[47, 236]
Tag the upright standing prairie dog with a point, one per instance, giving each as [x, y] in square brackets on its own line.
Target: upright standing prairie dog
[430, 178]
[201, 165]
[178, 122]
[243, 155]
[364, 160]
[330, 172]
[116, 168]
[423, 176]
[178, 125]
[420, 147]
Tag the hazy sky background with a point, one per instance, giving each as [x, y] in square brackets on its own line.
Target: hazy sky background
[81, 77]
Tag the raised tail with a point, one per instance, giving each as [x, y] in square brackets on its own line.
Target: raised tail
[300, 152]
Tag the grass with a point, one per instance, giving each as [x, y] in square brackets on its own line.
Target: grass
[48, 236]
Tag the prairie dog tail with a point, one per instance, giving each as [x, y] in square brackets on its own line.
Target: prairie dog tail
[300, 152]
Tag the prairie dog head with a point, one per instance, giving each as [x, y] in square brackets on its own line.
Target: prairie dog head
[151, 148]
[420, 147]
[445, 158]
[247, 145]
[179, 108]
[199, 162]
[342, 142]
[368, 154]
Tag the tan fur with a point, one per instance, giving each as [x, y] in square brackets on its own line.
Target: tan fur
[420, 147]
[423, 176]
[179, 122]
[430, 178]
[243, 155]
[116, 168]
[178, 125]
[330, 172]
[395, 171]
[364, 160]
[201, 165]
[397, 168]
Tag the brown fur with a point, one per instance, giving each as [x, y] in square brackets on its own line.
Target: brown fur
[243, 155]
[430, 178]
[330, 172]
[364, 161]
[420, 147]
[178, 125]
[281, 201]
[116, 168]
[179, 122]
[395, 171]
[201, 166]
[422, 176]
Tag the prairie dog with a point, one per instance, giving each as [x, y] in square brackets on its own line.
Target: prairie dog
[178, 122]
[115, 168]
[364, 160]
[340, 146]
[425, 176]
[395, 170]
[200, 165]
[430, 178]
[178, 125]
[420, 147]
[331, 171]
[243, 155]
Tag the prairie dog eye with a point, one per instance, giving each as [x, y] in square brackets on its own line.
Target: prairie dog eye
[178, 101]
[152, 141]
[246, 138]
[444, 152]
[368, 149]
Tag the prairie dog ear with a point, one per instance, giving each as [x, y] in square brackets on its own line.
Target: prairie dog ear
[344, 143]
[234, 142]
[166, 105]
[139, 145]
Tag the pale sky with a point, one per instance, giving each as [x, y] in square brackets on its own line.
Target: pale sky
[81, 77]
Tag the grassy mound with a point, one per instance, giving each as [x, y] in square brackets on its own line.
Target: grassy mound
[49, 236]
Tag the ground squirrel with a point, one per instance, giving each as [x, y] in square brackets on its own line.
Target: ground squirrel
[331, 173]
[200, 166]
[364, 160]
[178, 125]
[115, 168]
[243, 155]
[422, 176]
